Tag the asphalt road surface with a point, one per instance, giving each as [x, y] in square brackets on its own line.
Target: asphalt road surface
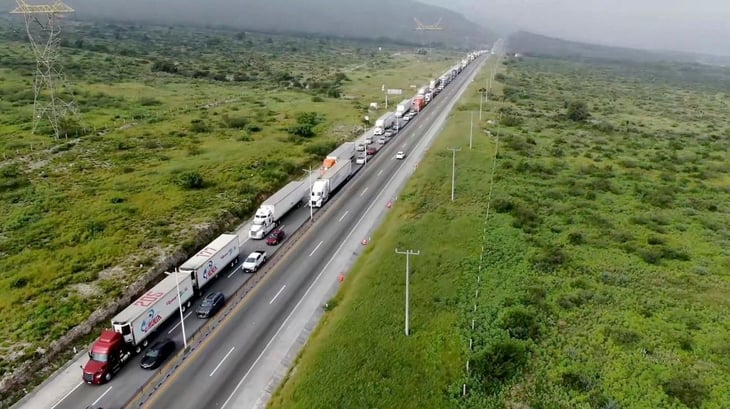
[228, 361]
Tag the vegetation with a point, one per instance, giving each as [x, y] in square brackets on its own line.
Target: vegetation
[180, 129]
[598, 280]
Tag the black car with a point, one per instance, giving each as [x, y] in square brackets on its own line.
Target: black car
[275, 237]
[210, 305]
[158, 352]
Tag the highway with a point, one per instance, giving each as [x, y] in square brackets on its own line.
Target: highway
[226, 363]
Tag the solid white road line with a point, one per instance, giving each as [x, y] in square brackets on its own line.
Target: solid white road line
[315, 249]
[363, 192]
[379, 173]
[277, 294]
[343, 215]
[66, 395]
[235, 270]
[178, 324]
[102, 395]
[221, 362]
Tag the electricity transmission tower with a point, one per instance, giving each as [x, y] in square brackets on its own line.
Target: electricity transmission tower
[43, 27]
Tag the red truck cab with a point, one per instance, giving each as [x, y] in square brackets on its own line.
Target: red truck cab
[106, 356]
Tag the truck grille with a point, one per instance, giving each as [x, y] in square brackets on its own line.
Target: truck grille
[88, 377]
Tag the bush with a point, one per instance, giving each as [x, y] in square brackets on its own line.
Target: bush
[191, 180]
[238, 122]
[501, 361]
[687, 389]
[520, 323]
[320, 149]
[199, 126]
[578, 111]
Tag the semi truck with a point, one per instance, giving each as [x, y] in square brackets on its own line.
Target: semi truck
[419, 102]
[403, 108]
[323, 188]
[346, 151]
[212, 259]
[132, 328]
[383, 123]
[275, 207]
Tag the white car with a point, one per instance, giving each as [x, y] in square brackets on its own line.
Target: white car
[360, 160]
[400, 155]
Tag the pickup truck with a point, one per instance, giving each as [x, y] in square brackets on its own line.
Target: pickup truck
[254, 261]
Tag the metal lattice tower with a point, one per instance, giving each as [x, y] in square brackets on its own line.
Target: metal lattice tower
[42, 25]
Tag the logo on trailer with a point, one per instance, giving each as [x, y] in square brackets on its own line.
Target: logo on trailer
[153, 318]
[210, 270]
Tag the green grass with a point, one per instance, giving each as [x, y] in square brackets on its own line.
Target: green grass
[82, 213]
[604, 281]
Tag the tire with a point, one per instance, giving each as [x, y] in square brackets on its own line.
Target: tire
[108, 377]
[145, 343]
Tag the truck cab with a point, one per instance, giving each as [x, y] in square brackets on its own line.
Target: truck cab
[263, 223]
[106, 357]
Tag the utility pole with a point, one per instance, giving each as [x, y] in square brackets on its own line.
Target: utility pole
[471, 128]
[453, 169]
[309, 199]
[408, 253]
[481, 98]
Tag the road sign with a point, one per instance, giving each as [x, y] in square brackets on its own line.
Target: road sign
[394, 91]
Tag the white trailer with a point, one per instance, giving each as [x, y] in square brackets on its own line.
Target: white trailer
[403, 108]
[433, 84]
[329, 182]
[149, 311]
[275, 207]
[212, 259]
[383, 123]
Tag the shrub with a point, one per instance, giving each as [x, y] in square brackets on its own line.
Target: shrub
[199, 126]
[501, 361]
[549, 259]
[576, 238]
[237, 122]
[320, 149]
[577, 111]
[191, 180]
[686, 388]
[520, 323]
[578, 381]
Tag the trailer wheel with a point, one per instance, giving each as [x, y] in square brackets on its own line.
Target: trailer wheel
[145, 343]
[138, 349]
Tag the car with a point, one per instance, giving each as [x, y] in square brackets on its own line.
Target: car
[158, 352]
[360, 160]
[371, 151]
[360, 147]
[254, 261]
[276, 237]
[388, 134]
[406, 118]
[368, 140]
[382, 140]
[400, 155]
[210, 305]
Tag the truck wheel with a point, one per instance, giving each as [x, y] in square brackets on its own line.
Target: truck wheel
[137, 349]
[145, 343]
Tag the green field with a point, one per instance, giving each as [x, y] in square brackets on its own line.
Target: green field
[599, 278]
[180, 131]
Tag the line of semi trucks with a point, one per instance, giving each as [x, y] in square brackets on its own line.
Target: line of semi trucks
[133, 328]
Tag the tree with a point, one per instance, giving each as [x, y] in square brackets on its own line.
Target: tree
[578, 111]
[306, 121]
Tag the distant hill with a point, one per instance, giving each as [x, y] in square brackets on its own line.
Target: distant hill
[479, 12]
[343, 18]
[531, 44]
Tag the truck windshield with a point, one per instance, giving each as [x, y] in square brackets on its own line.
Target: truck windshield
[96, 356]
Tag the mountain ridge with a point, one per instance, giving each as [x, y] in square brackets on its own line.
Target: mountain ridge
[344, 18]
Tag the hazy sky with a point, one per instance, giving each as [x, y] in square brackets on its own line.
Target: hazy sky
[687, 25]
